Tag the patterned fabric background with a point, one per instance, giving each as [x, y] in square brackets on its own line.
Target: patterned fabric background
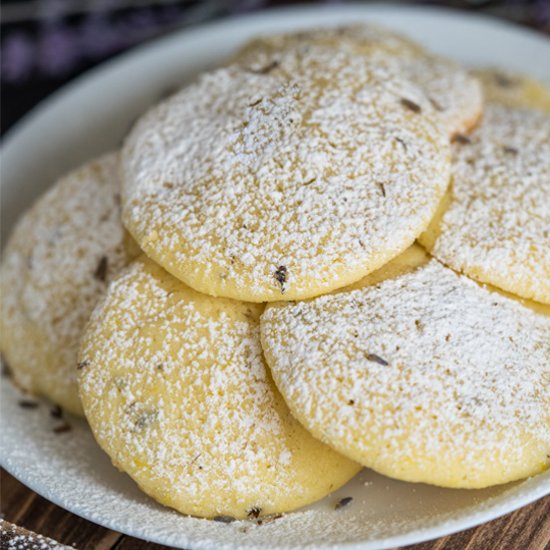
[48, 42]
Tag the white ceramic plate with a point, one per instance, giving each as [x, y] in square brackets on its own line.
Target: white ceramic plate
[91, 116]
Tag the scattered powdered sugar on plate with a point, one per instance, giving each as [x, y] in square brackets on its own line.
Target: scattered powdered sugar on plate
[72, 471]
[496, 228]
[56, 266]
[264, 185]
[426, 376]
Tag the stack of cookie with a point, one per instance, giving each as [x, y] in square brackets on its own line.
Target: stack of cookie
[330, 253]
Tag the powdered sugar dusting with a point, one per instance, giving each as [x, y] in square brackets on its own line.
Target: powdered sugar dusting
[73, 472]
[327, 173]
[455, 93]
[497, 226]
[427, 377]
[62, 254]
[175, 389]
[364, 39]
[513, 89]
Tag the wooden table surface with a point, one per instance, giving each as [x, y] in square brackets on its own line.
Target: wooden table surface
[527, 528]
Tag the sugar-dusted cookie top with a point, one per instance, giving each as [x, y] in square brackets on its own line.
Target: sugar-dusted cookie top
[453, 91]
[176, 391]
[420, 373]
[56, 265]
[261, 185]
[362, 39]
[494, 225]
[514, 90]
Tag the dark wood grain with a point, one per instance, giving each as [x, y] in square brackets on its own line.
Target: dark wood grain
[23, 507]
[524, 529]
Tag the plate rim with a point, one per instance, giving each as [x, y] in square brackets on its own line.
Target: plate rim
[43, 105]
[17, 132]
[415, 536]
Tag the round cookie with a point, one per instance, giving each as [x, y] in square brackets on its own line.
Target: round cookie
[494, 224]
[452, 90]
[176, 391]
[259, 186]
[419, 373]
[56, 265]
[513, 89]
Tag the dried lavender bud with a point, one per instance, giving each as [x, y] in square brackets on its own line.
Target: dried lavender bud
[343, 502]
[254, 512]
[267, 69]
[281, 276]
[411, 105]
[101, 270]
[402, 142]
[144, 420]
[224, 519]
[6, 371]
[56, 412]
[28, 404]
[462, 139]
[62, 429]
[377, 359]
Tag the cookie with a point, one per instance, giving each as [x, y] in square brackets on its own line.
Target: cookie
[56, 265]
[453, 91]
[363, 39]
[419, 373]
[494, 225]
[259, 186]
[514, 90]
[176, 391]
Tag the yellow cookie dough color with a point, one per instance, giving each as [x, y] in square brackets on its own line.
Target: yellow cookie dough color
[419, 373]
[453, 91]
[513, 89]
[176, 391]
[260, 185]
[56, 265]
[494, 225]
